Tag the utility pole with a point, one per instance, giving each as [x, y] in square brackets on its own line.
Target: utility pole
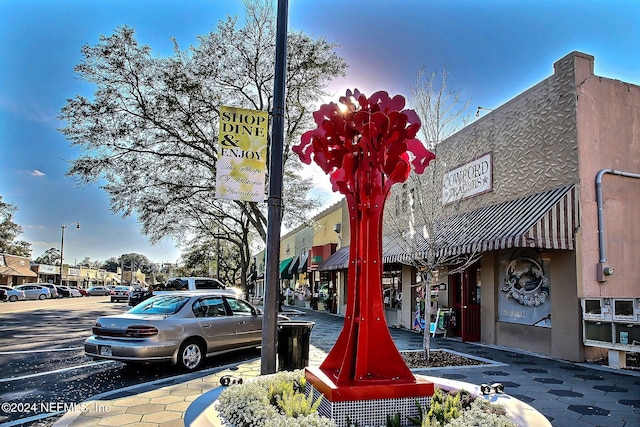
[274, 216]
[63, 227]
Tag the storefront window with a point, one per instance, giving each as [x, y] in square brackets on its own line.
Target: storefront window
[392, 286]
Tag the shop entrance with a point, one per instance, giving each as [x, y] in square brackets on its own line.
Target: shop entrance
[465, 289]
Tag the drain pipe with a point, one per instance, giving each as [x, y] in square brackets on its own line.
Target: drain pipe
[605, 270]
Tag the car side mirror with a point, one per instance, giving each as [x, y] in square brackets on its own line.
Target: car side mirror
[258, 311]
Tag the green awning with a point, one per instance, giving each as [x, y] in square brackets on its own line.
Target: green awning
[284, 268]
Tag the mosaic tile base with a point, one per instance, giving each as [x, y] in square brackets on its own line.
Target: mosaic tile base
[370, 413]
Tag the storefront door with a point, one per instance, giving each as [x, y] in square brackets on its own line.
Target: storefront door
[465, 288]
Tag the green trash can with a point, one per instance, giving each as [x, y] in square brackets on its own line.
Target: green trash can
[293, 344]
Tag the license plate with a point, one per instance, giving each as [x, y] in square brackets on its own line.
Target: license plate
[105, 350]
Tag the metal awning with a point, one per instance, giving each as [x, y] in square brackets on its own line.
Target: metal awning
[545, 220]
[293, 267]
[302, 265]
[339, 260]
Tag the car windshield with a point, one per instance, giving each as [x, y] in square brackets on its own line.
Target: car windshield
[165, 304]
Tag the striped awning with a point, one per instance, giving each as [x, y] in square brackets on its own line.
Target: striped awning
[293, 267]
[544, 220]
[394, 250]
[339, 260]
[302, 265]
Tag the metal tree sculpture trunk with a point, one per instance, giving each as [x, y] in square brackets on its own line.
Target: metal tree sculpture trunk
[363, 145]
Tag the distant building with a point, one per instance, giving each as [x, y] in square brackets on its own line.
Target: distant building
[15, 270]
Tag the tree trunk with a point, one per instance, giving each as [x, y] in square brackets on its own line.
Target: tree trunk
[426, 338]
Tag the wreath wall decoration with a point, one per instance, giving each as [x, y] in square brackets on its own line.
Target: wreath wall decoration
[525, 280]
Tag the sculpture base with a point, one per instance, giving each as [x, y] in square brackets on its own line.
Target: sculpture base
[368, 405]
[367, 389]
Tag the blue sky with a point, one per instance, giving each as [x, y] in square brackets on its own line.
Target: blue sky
[493, 51]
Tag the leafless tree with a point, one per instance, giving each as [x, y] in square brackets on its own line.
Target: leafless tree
[417, 217]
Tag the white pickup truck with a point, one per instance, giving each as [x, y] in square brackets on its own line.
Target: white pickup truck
[184, 284]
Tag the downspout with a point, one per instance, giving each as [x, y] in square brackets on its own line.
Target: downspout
[603, 269]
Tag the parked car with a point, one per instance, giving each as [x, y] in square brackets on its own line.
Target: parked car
[120, 293]
[83, 292]
[184, 284]
[3, 295]
[69, 291]
[52, 289]
[13, 294]
[63, 292]
[99, 290]
[137, 296]
[182, 328]
[34, 291]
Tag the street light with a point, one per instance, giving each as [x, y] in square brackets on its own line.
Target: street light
[62, 245]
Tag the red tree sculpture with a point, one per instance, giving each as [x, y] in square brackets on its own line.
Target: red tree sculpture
[363, 145]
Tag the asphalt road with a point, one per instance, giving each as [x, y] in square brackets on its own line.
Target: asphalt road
[43, 369]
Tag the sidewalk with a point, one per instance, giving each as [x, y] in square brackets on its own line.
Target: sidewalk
[567, 394]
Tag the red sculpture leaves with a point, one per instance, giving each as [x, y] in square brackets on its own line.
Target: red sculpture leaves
[374, 133]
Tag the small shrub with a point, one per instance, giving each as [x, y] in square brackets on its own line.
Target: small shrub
[417, 421]
[297, 404]
[278, 389]
[460, 409]
[483, 414]
[393, 421]
[250, 404]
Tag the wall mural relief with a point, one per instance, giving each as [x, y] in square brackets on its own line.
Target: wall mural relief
[525, 290]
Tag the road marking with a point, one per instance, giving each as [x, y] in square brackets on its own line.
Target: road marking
[86, 332]
[40, 351]
[57, 371]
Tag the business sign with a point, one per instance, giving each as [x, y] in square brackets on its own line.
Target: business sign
[48, 269]
[468, 180]
[242, 154]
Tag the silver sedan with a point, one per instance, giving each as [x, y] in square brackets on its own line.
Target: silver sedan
[33, 291]
[14, 295]
[182, 328]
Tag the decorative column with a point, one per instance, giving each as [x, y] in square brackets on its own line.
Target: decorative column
[363, 144]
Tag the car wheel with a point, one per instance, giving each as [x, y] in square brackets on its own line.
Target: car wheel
[42, 296]
[191, 355]
[13, 298]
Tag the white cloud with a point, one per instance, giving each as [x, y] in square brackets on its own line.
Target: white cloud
[36, 172]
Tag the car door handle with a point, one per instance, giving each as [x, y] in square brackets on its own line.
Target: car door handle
[242, 322]
[206, 325]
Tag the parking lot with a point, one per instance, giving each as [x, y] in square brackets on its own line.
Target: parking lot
[43, 360]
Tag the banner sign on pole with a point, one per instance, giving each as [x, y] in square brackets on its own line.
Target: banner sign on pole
[242, 154]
